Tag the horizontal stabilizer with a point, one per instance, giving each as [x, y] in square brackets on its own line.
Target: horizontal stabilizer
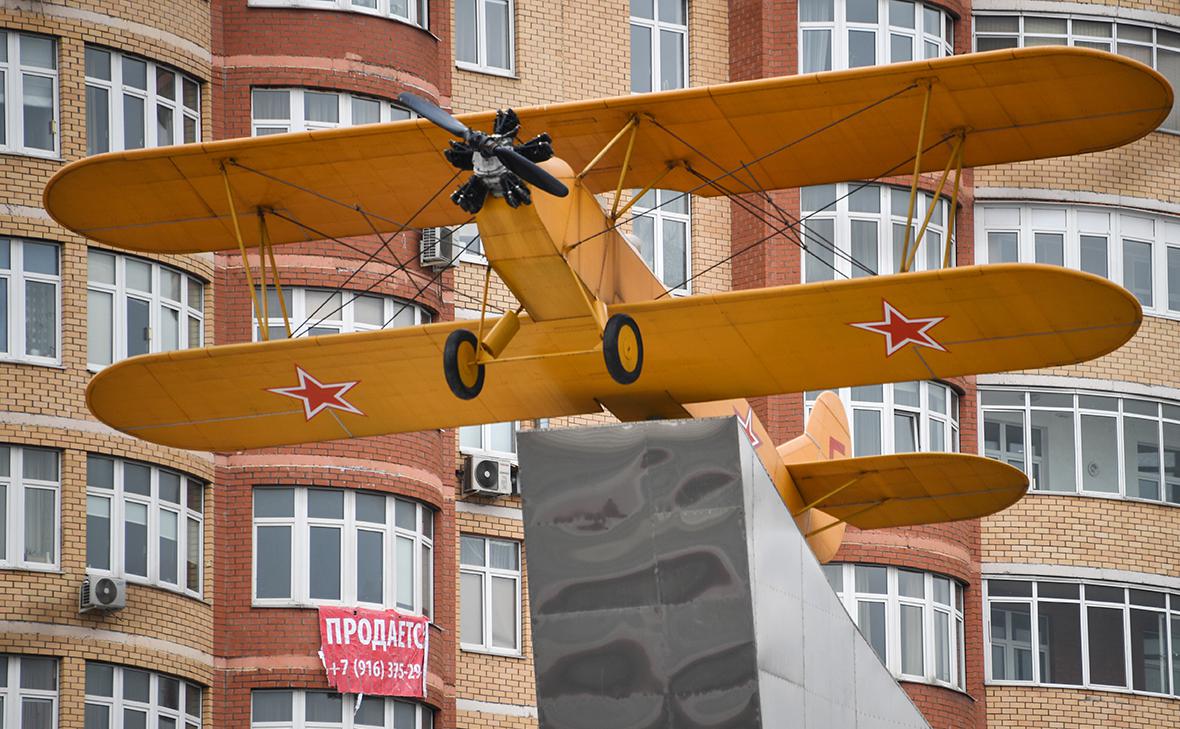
[875, 492]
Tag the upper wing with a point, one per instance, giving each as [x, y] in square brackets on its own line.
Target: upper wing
[909, 488]
[797, 130]
[697, 349]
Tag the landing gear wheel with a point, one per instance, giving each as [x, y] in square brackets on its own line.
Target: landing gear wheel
[622, 348]
[464, 374]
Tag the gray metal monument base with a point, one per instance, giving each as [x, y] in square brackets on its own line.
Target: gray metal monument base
[671, 589]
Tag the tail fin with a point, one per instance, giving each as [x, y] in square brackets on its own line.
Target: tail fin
[826, 438]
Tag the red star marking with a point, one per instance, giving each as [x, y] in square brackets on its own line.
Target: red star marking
[900, 331]
[834, 447]
[317, 396]
[747, 424]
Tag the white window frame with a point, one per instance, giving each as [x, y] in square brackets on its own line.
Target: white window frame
[839, 28]
[16, 485]
[116, 704]
[304, 315]
[14, 71]
[13, 696]
[120, 293]
[118, 499]
[854, 399]
[1165, 38]
[486, 573]
[16, 277]
[836, 207]
[423, 715]
[297, 119]
[418, 14]
[481, 64]
[467, 237]
[301, 524]
[1161, 232]
[116, 89]
[663, 215]
[1170, 612]
[894, 601]
[655, 26]
[1168, 413]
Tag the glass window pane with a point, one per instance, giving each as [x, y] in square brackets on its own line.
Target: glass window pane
[40, 525]
[271, 706]
[192, 578]
[1105, 634]
[1141, 451]
[871, 579]
[834, 573]
[100, 679]
[370, 553]
[498, 41]
[819, 197]
[1099, 448]
[1009, 588]
[1060, 647]
[36, 713]
[1002, 247]
[1104, 593]
[98, 120]
[38, 673]
[271, 104]
[165, 125]
[405, 515]
[1053, 451]
[1058, 589]
[901, 48]
[168, 692]
[370, 508]
[40, 319]
[471, 551]
[324, 563]
[98, 63]
[819, 236]
[1011, 642]
[912, 649]
[96, 716]
[504, 555]
[671, 60]
[136, 685]
[169, 547]
[817, 51]
[816, 11]
[38, 112]
[137, 479]
[40, 464]
[323, 706]
[942, 646]
[100, 315]
[471, 608]
[641, 58]
[1172, 468]
[325, 503]
[1137, 270]
[675, 252]
[502, 437]
[134, 719]
[135, 539]
[504, 620]
[866, 432]
[169, 487]
[3, 315]
[1094, 257]
[1050, 248]
[911, 584]
[38, 51]
[465, 32]
[273, 567]
[371, 712]
[405, 573]
[321, 107]
[274, 502]
[98, 533]
[862, 48]
[192, 94]
[864, 248]
[672, 11]
[861, 11]
[870, 619]
[901, 13]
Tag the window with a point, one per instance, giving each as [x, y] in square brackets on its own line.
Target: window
[297, 110]
[118, 697]
[1156, 46]
[30, 484]
[485, 35]
[1072, 441]
[489, 595]
[28, 692]
[30, 301]
[315, 312]
[133, 103]
[415, 12]
[852, 230]
[28, 94]
[324, 710]
[497, 439]
[840, 34]
[904, 417]
[315, 546]
[466, 242]
[136, 306]
[1066, 633]
[663, 228]
[1138, 250]
[144, 523]
[659, 45]
[913, 620]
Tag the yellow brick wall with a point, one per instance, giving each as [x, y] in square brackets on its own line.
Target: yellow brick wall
[1019, 707]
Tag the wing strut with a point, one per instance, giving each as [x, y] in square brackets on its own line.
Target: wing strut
[269, 251]
[956, 158]
[844, 520]
[909, 218]
[233, 214]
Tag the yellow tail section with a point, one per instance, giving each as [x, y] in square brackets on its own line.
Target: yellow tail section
[826, 438]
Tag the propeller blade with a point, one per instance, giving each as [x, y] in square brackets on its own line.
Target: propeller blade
[429, 110]
[531, 172]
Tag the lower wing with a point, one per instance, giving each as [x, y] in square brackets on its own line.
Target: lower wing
[738, 344]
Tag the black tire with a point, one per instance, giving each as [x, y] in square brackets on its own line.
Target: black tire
[624, 360]
[462, 347]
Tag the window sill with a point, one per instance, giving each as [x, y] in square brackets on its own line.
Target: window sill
[517, 655]
[1075, 687]
[935, 684]
[487, 70]
[32, 363]
[133, 581]
[1105, 496]
[47, 156]
[44, 569]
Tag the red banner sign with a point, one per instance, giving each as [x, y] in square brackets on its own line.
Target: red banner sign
[374, 652]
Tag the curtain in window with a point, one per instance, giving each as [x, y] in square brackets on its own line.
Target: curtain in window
[817, 51]
[40, 319]
[38, 112]
[40, 525]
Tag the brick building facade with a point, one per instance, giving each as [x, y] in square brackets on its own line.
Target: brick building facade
[1064, 608]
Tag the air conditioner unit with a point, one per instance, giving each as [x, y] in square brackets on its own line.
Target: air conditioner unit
[102, 593]
[437, 249]
[487, 476]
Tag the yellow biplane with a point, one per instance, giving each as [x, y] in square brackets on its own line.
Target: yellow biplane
[595, 329]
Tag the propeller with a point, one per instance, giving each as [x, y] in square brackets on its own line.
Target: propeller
[501, 166]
